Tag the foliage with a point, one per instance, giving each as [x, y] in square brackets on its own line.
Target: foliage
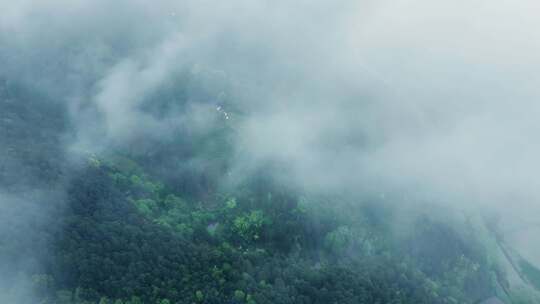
[143, 224]
[249, 225]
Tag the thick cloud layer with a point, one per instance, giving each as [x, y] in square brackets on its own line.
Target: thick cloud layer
[435, 101]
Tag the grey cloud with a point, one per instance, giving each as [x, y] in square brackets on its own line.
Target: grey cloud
[435, 99]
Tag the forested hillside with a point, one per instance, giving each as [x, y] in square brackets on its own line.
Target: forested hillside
[126, 227]
[269, 152]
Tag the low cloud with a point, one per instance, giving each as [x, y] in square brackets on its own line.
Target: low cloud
[436, 100]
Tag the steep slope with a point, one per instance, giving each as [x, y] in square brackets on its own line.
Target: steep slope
[138, 225]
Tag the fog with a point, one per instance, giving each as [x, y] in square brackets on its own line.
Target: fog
[435, 101]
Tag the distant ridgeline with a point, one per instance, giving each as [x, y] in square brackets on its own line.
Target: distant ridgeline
[127, 227]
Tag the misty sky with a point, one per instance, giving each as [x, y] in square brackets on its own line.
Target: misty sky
[434, 99]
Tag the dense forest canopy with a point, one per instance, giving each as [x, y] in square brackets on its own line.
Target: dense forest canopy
[311, 152]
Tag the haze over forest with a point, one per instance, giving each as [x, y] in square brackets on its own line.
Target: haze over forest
[269, 151]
